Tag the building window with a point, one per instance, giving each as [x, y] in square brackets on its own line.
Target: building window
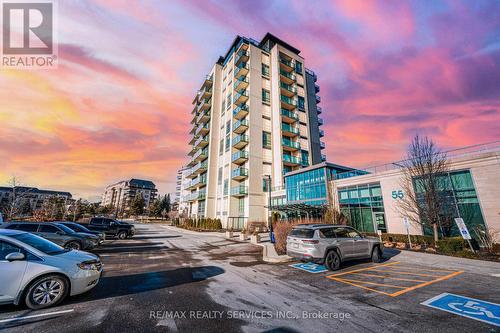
[228, 127]
[229, 100]
[298, 67]
[221, 147]
[219, 176]
[228, 142]
[305, 157]
[265, 183]
[300, 103]
[265, 70]
[266, 96]
[241, 206]
[223, 106]
[266, 140]
[226, 186]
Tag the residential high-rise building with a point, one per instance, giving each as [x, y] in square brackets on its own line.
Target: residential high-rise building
[182, 192]
[255, 116]
[120, 195]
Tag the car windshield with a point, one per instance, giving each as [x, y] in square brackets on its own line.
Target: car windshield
[65, 228]
[39, 243]
[302, 233]
[76, 227]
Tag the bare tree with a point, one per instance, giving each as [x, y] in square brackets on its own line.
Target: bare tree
[332, 212]
[17, 200]
[423, 184]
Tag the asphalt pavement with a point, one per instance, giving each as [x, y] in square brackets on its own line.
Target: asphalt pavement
[168, 280]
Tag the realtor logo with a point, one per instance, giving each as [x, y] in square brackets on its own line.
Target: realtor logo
[28, 34]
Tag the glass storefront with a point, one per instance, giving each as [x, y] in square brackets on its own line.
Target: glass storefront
[363, 206]
[307, 187]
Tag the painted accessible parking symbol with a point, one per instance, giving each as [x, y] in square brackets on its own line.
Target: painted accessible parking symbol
[472, 308]
[309, 267]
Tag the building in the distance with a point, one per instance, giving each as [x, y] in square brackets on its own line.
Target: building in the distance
[181, 191]
[255, 116]
[32, 195]
[120, 195]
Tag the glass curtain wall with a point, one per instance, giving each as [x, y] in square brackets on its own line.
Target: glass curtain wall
[307, 187]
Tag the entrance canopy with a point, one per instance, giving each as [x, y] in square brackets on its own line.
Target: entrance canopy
[299, 208]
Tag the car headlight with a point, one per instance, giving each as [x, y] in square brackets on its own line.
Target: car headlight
[90, 265]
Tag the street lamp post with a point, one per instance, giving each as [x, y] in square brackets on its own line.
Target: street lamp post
[269, 207]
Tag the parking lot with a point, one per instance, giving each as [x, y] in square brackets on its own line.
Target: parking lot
[169, 280]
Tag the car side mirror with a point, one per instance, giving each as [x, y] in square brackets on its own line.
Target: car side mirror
[15, 256]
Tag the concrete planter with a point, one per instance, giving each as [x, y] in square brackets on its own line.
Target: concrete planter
[254, 239]
[243, 237]
[229, 234]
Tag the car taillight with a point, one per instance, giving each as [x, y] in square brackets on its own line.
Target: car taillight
[310, 241]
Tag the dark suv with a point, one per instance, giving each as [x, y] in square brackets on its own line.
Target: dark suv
[111, 227]
[57, 233]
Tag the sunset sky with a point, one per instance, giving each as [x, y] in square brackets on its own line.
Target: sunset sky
[118, 106]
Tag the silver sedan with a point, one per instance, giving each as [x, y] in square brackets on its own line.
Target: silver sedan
[41, 273]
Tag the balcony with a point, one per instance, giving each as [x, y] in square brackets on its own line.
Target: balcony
[322, 145]
[288, 130]
[202, 129]
[288, 103]
[310, 72]
[241, 83]
[239, 174]
[240, 141]
[316, 88]
[193, 151]
[240, 97]
[207, 82]
[239, 157]
[289, 160]
[288, 78]
[200, 155]
[290, 145]
[198, 182]
[241, 70]
[205, 93]
[319, 109]
[203, 117]
[318, 99]
[287, 65]
[201, 142]
[289, 116]
[320, 121]
[241, 111]
[204, 104]
[321, 133]
[239, 191]
[323, 157]
[192, 162]
[304, 163]
[198, 168]
[193, 140]
[241, 56]
[240, 126]
[288, 90]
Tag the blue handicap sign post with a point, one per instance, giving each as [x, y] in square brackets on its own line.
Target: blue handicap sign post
[310, 267]
[472, 308]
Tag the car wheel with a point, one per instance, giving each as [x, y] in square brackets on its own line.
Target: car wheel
[376, 255]
[332, 260]
[73, 245]
[122, 235]
[46, 291]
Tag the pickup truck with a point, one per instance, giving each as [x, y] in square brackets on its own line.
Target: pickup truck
[111, 227]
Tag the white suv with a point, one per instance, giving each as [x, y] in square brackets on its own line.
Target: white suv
[41, 273]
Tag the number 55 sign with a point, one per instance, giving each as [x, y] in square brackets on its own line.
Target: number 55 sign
[397, 194]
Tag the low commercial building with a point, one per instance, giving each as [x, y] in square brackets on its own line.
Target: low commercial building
[369, 198]
[34, 196]
[120, 195]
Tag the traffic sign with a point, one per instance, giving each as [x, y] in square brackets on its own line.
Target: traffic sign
[463, 228]
[472, 308]
[310, 267]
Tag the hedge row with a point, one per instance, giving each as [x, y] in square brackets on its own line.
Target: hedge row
[401, 238]
[199, 224]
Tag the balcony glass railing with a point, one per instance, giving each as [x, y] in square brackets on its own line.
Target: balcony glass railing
[240, 154]
[240, 123]
[320, 121]
[200, 140]
[290, 143]
[319, 109]
[239, 172]
[200, 152]
[291, 159]
[288, 87]
[288, 128]
[289, 114]
[241, 66]
[291, 76]
[239, 190]
[239, 81]
[242, 107]
[322, 145]
[238, 95]
[287, 62]
[288, 100]
[318, 99]
[240, 138]
[201, 127]
[201, 165]
[240, 54]
[321, 133]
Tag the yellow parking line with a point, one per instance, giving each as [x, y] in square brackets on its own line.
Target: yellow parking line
[410, 273]
[373, 283]
[363, 269]
[426, 283]
[389, 277]
[357, 285]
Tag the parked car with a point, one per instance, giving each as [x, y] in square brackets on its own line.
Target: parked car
[111, 227]
[80, 228]
[57, 233]
[41, 273]
[331, 244]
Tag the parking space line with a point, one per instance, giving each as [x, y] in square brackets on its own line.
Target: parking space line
[363, 269]
[446, 277]
[373, 283]
[359, 286]
[389, 277]
[36, 316]
[410, 273]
